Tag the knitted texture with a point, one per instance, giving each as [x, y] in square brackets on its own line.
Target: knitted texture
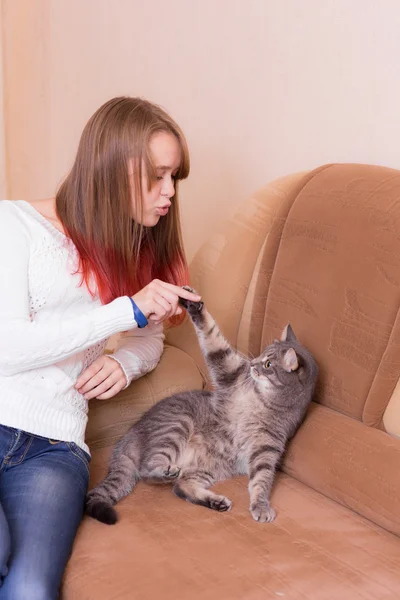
[51, 328]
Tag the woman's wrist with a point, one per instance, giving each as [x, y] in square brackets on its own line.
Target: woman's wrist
[138, 315]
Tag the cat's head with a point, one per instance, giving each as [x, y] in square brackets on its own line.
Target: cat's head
[284, 363]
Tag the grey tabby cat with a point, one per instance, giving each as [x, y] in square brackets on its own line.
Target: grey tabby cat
[197, 438]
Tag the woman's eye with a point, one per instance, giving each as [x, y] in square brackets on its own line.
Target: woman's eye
[267, 364]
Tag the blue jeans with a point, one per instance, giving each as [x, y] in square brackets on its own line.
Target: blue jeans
[43, 484]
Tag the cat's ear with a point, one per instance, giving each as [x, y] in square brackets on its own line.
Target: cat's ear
[288, 334]
[290, 362]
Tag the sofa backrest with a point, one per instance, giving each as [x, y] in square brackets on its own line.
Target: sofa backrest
[321, 250]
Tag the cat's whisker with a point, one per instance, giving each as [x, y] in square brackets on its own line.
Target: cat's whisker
[247, 356]
[239, 353]
[241, 382]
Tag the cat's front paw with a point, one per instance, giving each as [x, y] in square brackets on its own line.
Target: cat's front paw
[262, 512]
[193, 308]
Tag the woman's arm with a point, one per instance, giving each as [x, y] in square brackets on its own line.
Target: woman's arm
[139, 351]
[26, 345]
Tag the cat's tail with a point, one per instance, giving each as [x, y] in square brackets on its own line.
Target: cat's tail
[122, 477]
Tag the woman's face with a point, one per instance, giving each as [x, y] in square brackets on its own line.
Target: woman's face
[165, 153]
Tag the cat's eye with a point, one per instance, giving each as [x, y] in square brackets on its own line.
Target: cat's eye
[267, 364]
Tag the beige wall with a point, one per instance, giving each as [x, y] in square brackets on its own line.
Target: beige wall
[261, 87]
[3, 175]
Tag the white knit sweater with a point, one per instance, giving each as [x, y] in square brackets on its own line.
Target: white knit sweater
[51, 328]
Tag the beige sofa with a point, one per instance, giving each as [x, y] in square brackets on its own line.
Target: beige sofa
[322, 250]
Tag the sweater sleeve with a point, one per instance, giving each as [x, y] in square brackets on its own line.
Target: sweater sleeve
[139, 351]
[26, 344]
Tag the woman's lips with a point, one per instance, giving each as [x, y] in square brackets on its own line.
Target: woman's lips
[162, 210]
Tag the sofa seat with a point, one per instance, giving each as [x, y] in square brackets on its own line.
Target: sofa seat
[165, 548]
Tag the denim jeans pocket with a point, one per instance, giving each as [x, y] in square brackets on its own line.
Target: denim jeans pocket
[80, 453]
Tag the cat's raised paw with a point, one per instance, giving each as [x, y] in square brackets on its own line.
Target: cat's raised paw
[263, 513]
[193, 308]
[220, 503]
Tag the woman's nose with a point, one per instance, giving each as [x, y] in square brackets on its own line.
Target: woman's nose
[168, 189]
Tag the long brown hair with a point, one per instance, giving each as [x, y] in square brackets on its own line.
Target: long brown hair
[94, 201]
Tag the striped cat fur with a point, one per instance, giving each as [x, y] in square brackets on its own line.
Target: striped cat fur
[194, 439]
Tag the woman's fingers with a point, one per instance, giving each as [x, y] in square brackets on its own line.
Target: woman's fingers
[102, 374]
[160, 300]
[162, 309]
[112, 380]
[112, 391]
[181, 292]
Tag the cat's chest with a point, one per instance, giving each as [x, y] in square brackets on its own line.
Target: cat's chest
[249, 434]
[242, 463]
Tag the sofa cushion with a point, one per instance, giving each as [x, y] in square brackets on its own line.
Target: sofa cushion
[110, 419]
[321, 250]
[350, 463]
[165, 548]
[336, 277]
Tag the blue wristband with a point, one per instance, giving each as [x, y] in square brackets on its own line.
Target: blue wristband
[138, 315]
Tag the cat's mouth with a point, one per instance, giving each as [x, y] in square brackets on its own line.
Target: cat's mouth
[261, 379]
[256, 374]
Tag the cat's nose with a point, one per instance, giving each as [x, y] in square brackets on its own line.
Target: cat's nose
[254, 369]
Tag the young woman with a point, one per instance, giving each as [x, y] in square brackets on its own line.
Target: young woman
[104, 256]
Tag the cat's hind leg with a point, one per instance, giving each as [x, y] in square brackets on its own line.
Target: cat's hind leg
[161, 462]
[160, 470]
[193, 486]
[123, 474]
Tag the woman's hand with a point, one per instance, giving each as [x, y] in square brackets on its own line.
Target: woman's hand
[103, 379]
[159, 300]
